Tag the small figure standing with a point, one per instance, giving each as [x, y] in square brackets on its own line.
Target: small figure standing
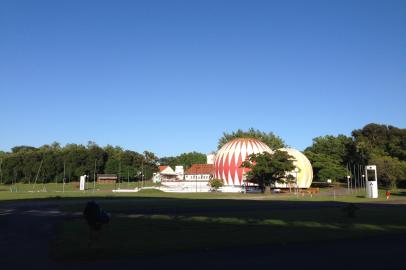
[96, 218]
[387, 195]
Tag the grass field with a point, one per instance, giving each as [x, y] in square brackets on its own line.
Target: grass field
[148, 226]
[71, 190]
[153, 222]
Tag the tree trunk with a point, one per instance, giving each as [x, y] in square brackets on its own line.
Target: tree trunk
[267, 189]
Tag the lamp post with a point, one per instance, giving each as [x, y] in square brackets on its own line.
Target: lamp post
[297, 185]
[363, 180]
[138, 179]
[142, 173]
[348, 183]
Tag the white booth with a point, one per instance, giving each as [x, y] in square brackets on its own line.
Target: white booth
[82, 182]
[371, 181]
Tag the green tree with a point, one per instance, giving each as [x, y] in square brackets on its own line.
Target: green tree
[23, 162]
[390, 170]
[266, 169]
[375, 139]
[274, 142]
[325, 167]
[186, 160]
[215, 184]
[150, 164]
[329, 156]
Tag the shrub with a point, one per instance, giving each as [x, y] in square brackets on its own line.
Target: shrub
[215, 184]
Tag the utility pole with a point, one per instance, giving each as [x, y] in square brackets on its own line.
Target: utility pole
[1, 171]
[94, 175]
[36, 177]
[128, 176]
[348, 180]
[138, 180]
[15, 180]
[119, 174]
[64, 179]
[142, 173]
[355, 179]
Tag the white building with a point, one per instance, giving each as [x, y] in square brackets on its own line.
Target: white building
[166, 173]
[200, 172]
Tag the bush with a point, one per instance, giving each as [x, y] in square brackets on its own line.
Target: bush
[215, 184]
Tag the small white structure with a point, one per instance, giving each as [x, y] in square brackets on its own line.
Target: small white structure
[179, 172]
[210, 158]
[166, 173]
[156, 178]
[82, 182]
[371, 181]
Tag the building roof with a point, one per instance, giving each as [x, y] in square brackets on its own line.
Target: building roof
[201, 169]
[166, 170]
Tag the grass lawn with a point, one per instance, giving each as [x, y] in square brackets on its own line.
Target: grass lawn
[153, 222]
[161, 225]
[71, 190]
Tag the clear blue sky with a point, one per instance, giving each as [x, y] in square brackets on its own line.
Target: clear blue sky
[172, 76]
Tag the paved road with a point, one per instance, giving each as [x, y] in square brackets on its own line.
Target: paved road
[27, 228]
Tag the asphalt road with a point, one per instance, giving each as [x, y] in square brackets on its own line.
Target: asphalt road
[26, 229]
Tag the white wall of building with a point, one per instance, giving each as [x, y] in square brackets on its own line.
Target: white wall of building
[197, 177]
[185, 186]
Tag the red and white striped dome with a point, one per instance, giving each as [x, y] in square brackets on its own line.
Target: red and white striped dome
[230, 157]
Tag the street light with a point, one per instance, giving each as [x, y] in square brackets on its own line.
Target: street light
[348, 183]
[363, 180]
[297, 185]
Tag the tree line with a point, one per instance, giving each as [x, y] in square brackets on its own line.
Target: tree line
[185, 159]
[54, 163]
[332, 157]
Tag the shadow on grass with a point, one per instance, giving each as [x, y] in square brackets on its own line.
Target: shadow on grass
[160, 225]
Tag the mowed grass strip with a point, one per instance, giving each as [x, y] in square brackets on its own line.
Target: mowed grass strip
[176, 228]
[71, 190]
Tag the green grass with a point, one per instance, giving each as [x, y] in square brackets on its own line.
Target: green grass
[71, 190]
[154, 222]
[146, 226]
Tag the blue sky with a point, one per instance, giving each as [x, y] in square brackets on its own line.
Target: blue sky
[172, 76]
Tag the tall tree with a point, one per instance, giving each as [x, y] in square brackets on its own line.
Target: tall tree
[375, 139]
[329, 156]
[270, 139]
[326, 167]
